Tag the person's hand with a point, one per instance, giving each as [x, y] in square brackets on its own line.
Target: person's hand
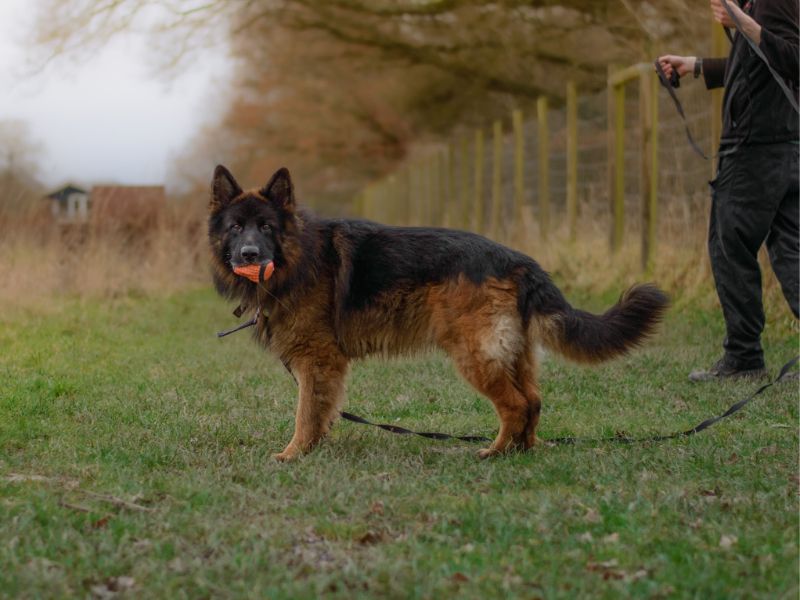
[748, 25]
[682, 64]
[721, 15]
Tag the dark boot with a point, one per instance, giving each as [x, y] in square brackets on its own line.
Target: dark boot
[725, 369]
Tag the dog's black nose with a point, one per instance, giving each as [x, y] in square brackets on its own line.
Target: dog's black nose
[250, 253]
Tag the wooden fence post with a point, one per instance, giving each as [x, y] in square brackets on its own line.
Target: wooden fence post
[441, 187]
[415, 194]
[405, 197]
[544, 167]
[427, 201]
[360, 205]
[572, 160]
[369, 203]
[610, 147]
[497, 179]
[618, 227]
[478, 179]
[451, 211]
[433, 183]
[385, 188]
[648, 114]
[464, 195]
[519, 166]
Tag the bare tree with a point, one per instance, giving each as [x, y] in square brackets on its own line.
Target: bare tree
[341, 88]
[19, 166]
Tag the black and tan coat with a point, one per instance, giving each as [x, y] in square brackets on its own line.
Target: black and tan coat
[347, 289]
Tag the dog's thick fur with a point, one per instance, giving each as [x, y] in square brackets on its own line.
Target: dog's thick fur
[346, 289]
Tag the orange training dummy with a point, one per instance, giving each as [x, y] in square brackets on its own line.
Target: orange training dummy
[256, 273]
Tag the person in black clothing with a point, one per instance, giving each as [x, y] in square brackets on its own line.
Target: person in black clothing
[755, 194]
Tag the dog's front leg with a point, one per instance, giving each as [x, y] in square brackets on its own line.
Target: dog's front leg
[321, 384]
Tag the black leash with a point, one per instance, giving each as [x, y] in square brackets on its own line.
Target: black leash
[251, 323]
[619, 437]
[670, 84]
[403, 431]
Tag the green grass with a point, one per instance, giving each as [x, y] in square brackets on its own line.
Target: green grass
[135, 399]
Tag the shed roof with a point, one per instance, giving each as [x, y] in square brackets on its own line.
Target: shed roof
[65, 192]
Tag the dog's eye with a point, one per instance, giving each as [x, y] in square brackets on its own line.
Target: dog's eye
[265, 228]
[236, 228]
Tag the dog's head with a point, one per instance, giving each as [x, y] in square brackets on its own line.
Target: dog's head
[248, 227]
[245, 227]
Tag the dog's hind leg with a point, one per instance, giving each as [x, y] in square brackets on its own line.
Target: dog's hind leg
[322, 389]
[527, 383]
[513, 408]
[480, 328]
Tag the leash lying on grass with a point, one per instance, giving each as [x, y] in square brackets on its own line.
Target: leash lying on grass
[619, 437]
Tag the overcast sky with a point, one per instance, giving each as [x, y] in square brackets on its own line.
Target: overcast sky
[109, 119]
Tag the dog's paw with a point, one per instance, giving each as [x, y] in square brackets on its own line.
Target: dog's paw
[487, 453]
[286, 456]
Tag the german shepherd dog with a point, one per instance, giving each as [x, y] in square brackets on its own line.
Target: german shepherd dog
[345, 289]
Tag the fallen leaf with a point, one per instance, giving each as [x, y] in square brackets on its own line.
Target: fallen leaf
[606, 569]
[611, 538]
[726, 541]
[101, 522]
[371, 537]
[142, 545]
[600, 566]
[176, 564]
[112, 586]
[592, 516]
[460, 577]
[376, 508]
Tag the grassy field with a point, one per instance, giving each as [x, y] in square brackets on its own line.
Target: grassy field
[135, 460]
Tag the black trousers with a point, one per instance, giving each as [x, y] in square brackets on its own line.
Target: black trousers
[755, 198]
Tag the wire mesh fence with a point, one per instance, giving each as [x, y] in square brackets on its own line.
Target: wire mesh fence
[513, 185]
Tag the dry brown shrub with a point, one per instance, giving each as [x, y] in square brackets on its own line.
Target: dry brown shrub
[41, 261]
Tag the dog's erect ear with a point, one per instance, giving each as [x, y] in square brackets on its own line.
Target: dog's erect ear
[280, 189]
[223, 188]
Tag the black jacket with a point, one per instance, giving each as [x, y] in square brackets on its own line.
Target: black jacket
[755, 109]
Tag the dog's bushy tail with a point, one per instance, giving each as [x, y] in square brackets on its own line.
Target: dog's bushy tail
[588, 338]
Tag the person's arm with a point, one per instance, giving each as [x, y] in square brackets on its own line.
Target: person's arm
[774, 30]
[722, 15]
[779, 36]
[682, 64]
[712, 69]
[714, 72]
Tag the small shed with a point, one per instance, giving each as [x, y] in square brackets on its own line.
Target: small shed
[69, 204]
